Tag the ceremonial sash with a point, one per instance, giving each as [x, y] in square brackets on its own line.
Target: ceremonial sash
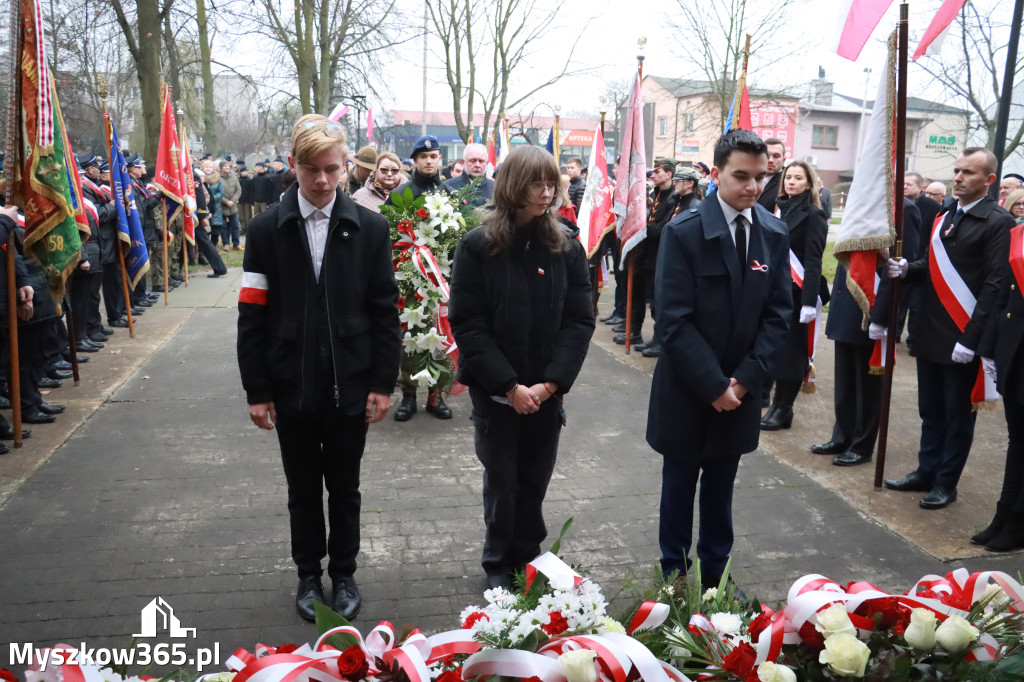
[958, 301]
[1017, 255]
[796, 269]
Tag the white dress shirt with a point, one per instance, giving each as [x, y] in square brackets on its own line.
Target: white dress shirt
[317, 220]
[730, 217]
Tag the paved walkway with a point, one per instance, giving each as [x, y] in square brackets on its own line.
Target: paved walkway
[168, 490]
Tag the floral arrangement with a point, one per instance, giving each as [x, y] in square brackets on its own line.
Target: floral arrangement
[425, 232]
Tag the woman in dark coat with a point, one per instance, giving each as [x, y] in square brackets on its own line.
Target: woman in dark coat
[1004, 342]
[799, 205]
[522, 317]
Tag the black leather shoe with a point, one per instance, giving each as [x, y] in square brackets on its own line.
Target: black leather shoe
[345, 598]
[641, 347]
[143, 303]
[309, 592]
[652, 350]
[633, 340]
[59, 374]
[614, 320]
[86, 346]
[5, 404]
[4, 449]
[51, 408]
[850, 459]
[121, 322]
[436, 406]
[38, 417]
[98, 338]
[1010, 535]
[939, 497]
[107, 330]
[781, 418]
[407, 409]
[7, 432]
[152, 296]
[90, 342]
[47, 382]
[912, 482]
[620, 327]
[983, 537]
[62, 366]
[137, 312]
[215, 275]
[495, 580]
[158, 289]
[829, 448]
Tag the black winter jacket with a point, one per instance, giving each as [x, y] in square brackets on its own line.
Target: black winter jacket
[523, 316]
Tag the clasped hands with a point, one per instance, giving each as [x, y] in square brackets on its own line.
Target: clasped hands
[527, 399]
[730, 400]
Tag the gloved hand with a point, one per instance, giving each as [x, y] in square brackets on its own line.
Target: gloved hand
[989, 366]
[876, 331]
[962, 355]
[807, 314]
[898, 268]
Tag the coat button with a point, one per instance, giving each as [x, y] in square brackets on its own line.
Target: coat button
[344, 234]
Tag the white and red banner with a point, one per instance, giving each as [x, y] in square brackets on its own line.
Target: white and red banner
[931, 41]
[796, 270]
[630, 197]
[596, 218]
[857, 20]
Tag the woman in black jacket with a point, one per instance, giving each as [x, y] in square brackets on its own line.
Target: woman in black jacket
[522, 316]
[799, 205]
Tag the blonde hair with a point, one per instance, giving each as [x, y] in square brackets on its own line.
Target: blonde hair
[314, 134]
[390, 156]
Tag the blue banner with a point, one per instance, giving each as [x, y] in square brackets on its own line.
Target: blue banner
[129, 224]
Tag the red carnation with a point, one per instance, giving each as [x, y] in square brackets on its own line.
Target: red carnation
[6, 674]
[450, 676]
[757, 626]
[405, 224]
[473, 618]
[740, 660]
[352, 664]
[422, 213]
[811, 637]
[556, 625]
[286, 648]
[401, 302]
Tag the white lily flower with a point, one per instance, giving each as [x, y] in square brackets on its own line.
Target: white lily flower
[413, 317]
[424, 378]
[431, 341]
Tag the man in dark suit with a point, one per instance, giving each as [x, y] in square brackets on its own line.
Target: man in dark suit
[724, 290]
[857, 390]
[776, 163]
[318, 350]
[914, 185]
[960, 273]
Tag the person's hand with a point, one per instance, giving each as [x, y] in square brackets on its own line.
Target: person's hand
[898, 268]
[11, 212]
[807, 314]
[739, 389]
[229, 204]
[962, 355]
[544, 390]
[727, 401]
[263, 415]
[26, 293]
[876, 331]
[523, 399]
[84, 265]
[25, 310]
[377, 405]
[989, 366]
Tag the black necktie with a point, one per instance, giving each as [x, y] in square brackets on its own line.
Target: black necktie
[741, 242]
[956, 222]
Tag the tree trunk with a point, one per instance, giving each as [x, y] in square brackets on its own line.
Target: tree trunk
[148, 63]
[209, 112]
[171, 49]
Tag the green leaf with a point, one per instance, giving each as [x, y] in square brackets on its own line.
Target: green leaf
[557, 544]
[533, 640]
[327, 619]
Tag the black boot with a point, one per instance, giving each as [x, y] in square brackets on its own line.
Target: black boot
[437, 407]
[780, 414]
[407, 409]
[1010, 536]
[982, 538]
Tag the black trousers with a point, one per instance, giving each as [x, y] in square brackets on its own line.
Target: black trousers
[857, 397]
[89, 300]
[113, 291]
[323, 447]
[518, 453]
[209, 251]
[1013, 476]
[947, 421]
[679, 478]
[643, 290]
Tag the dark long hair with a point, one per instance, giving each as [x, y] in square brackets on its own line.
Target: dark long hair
[524, 166]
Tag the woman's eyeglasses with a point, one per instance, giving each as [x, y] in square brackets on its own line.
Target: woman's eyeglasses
[541, 186]
[389, 171]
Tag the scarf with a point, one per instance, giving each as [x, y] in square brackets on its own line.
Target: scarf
[789, 204]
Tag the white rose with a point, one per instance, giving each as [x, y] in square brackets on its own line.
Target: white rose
[845, 654]
[956, 634]
[579, 665]
[770, 672]
[920, 633]
[835, 620]
[726, 623]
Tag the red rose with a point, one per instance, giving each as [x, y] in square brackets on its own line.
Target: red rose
[286, 648]
[422, 213]
[557, 624]
[811, 637]
[758, 625]
[405, 224]
[450, 676]
[473, 618]
[401, 302]
[740, 660]
[352, 664]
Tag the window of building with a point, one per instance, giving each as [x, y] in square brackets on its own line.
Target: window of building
[825, 136]
[688, 123]
[663, 126]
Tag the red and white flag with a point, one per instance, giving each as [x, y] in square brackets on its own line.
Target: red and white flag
[630, 197]
[596, 218]
[169, 176]
[857, 21]
[931, 41]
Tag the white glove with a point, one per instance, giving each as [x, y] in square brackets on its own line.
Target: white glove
[898, 268]
[807, 314]
[876, 331]
[962, 355]
[990, 367]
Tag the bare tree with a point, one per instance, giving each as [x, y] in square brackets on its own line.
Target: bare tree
[971, 70]
[515, 29]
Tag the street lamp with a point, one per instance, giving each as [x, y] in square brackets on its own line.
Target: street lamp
[360, 102]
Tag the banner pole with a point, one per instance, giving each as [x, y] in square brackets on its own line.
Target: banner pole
[163, 238]
[108, 125]
[12, 328]
[72, 339]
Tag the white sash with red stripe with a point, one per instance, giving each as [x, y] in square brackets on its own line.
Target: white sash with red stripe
[796, 269]
[959, 303]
